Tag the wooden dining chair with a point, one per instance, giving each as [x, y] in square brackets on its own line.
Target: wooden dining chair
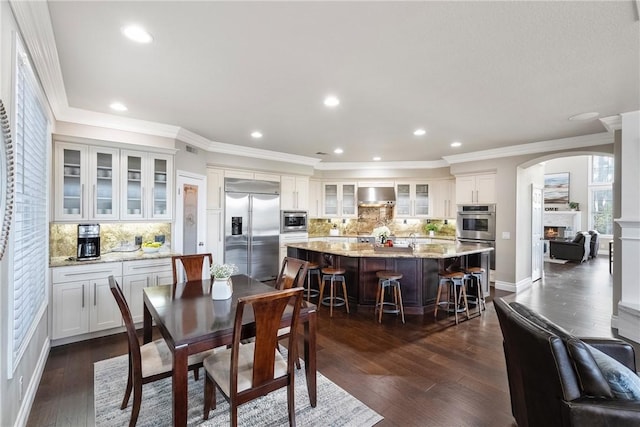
[292, 273]
[192, 265]
[246, 372]
[147, 363]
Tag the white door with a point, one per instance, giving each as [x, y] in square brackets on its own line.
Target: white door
[537, 250]
[191, 216]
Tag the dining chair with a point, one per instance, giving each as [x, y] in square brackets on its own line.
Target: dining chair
[147, 363]
[292, 273]
[248, 371]
[192, 265]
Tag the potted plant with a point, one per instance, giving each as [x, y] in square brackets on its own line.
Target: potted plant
[381, 233]
[574, 206]
[221, 288]
[431, 228]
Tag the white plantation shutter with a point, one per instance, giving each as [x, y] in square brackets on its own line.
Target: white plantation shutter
[30, 228]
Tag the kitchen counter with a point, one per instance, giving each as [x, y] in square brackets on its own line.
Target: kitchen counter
[401, 236]
[111, 257]
[419, 268]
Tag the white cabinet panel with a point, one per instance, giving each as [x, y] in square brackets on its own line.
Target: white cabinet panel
[413, 199]
[215, 188]
[294, 191]
[476, 188]
[215, 234]
[339, 199]
[147, 185]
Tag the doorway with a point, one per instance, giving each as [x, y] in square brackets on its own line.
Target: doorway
[191, 219]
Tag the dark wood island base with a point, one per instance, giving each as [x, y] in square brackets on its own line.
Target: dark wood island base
[419, 269]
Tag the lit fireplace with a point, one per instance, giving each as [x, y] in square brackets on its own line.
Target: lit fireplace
[551, 233]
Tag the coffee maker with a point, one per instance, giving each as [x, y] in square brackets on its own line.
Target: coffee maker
[88, 242]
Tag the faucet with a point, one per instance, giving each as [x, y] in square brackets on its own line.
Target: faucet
[413, 237]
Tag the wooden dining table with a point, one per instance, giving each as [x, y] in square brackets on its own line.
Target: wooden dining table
[191, 322]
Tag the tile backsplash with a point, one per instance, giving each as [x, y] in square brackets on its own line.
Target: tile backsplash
[63, 238]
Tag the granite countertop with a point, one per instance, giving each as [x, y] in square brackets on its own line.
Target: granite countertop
[111, 257]
[360, 250]
[395, 236]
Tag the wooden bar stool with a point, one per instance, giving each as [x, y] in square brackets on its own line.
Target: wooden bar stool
[312, 269]
[452, 281]
[389, 280]
[477, 272]
[333, 275]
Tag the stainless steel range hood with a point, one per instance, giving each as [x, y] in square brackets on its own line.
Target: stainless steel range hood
[376, 196]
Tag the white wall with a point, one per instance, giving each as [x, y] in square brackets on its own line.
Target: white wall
[578, 168]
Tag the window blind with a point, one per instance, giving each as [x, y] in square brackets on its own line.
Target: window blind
[30, 236]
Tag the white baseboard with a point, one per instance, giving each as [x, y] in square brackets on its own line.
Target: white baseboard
[30, 393]
[521, 286]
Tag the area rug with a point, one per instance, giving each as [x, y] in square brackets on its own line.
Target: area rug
[556, 261]
[335, 406]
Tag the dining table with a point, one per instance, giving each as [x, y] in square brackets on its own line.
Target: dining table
[190, 322]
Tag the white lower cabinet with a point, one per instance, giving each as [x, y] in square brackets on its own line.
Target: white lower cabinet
[137, 275]
[82, 300]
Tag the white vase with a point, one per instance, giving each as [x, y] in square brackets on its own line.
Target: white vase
[221, 289]
[432, 233]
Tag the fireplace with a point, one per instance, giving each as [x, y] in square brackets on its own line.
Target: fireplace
[558, 232]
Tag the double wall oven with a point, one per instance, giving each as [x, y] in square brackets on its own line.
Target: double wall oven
[477, 224]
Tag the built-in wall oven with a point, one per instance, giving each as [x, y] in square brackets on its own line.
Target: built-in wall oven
[477, 224]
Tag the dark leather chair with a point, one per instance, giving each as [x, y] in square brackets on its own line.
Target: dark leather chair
[552, 384]
[594, 243]
[576, 250]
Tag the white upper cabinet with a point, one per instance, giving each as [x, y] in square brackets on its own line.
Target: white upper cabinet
[444, 198]
[476, 188]
[146, 185]
[339, 200]
[215, 188]
[315, 198]
[412, 199]
[86, 182]
[294, 192]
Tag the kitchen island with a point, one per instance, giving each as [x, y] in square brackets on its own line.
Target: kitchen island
[419, 267]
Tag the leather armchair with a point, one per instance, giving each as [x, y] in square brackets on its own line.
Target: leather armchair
[546, 381]
[576, 250]
[595, 243]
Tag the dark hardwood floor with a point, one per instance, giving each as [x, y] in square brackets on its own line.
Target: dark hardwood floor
[422, 373]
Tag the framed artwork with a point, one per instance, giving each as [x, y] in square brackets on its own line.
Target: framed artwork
[556, 188]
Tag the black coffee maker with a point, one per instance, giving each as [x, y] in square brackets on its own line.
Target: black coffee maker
[88, 242]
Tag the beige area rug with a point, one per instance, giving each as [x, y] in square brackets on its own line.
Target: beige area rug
[335, 406]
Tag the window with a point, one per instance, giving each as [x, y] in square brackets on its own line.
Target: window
[30, 236]
[601, 194]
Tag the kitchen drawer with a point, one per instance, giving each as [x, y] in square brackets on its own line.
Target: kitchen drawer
[146, 266]
[86, 272]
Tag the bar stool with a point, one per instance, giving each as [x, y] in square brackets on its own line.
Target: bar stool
[477, 272]
[452, 281]
[333, 275]
[312, 269]
[389, 280]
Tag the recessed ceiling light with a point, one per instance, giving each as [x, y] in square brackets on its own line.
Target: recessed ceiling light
[137, 34]
[338, 151]
[377, 159]
[331, 101]
[456, 144]
[419, 132]
[256, 134]
[118, 106]
[584, 116]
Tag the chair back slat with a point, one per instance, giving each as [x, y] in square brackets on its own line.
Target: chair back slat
[293, 273]
[132, 337]
[192, 265]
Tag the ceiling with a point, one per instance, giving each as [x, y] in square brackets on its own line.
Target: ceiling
[490, 75]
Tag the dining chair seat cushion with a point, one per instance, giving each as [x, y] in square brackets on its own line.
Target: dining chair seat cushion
[218, 364]
[157, 358]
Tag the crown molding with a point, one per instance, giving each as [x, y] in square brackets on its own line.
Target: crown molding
[534, 148]
[612, 123]
[381, 165]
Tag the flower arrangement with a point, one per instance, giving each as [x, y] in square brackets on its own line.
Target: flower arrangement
[382, 231]
[223, 271]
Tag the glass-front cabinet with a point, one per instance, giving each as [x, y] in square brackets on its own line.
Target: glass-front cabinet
[339, 200]
[146, 185]
[412, 199]
[86, 182]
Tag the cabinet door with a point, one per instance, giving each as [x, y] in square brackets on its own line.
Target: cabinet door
[160, 179]
[486, 188]
[103, 309]
[422, 200]
[70, 309]
[215, 188]
[215, 234]
[104, 174]
[288, 192]
[132, 185]
[443, 198]
[70, 178]
[465, 189]
[132, 287]
[403, 200]
[330, 199]
[349, 203]
[147, 185]
[314, 200]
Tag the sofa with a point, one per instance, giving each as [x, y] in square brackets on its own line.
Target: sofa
[577, 249]
[594, 243]
[556, 379]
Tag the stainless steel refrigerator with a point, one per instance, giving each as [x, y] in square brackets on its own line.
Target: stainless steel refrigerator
[252, 226]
